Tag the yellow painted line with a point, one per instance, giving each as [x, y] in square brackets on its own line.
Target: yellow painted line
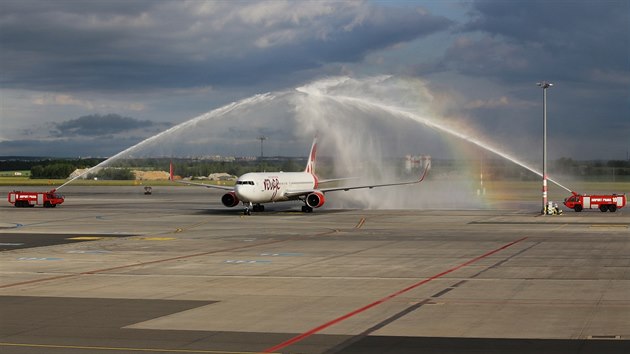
[86, 238]
[186, 228]
[155, 350]
[360, 224]
[156, 238]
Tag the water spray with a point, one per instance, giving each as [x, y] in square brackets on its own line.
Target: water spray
[443, 128]
[214, 113]
[304, 105]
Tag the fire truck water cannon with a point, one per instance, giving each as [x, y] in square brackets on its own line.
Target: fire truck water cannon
[603, 202]
[29, 199]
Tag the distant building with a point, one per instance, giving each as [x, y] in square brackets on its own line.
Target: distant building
[221, 177]
[78, 172]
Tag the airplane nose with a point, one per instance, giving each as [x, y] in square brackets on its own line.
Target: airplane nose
[243, 193]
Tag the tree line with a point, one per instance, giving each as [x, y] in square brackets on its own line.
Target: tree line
[497, 168]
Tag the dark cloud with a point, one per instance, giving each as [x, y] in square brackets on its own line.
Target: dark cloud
[577, 41]
[582, 47]
[169, 57]
[128, 45]
[102, 125]
[83, 147]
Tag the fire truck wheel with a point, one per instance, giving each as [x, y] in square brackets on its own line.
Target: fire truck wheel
[603, 208]
[612, 208]
[47, 205]
[577, 208]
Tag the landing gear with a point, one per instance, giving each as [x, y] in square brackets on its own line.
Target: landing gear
[259, 207]
[307, 209]
[249, 207]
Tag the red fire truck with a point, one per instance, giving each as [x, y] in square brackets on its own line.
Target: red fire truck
[608, 202]
[30, 199]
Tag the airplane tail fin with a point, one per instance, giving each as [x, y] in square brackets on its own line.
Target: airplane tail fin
[310, 165]
[427, 166]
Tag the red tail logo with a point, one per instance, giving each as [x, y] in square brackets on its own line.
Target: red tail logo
[310, 165]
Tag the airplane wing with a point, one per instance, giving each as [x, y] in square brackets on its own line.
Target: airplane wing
[298, 193]
[336, 179]
[225, 188]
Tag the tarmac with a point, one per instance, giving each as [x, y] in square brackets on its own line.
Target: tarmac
[115, 271]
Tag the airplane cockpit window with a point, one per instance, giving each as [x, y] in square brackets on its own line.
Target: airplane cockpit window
[251, 183]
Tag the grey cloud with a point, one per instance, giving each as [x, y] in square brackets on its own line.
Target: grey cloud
[580, 46]
[128, 45]
[568, 40]
[84, 147]
[102, 125]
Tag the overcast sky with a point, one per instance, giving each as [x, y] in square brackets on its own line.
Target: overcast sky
[91, 78]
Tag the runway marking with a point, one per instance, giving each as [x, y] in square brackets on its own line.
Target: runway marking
[610, 225]
[156, 238]
[413, 306]
[282, 254]
[240, 261]
[89, 252]
[360, 224]
[86, 238]
[28, 282]
[182, 229]
[337, 320]
[154, 350]
[604, 337]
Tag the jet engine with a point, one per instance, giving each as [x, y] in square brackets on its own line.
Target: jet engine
[315, 199]
[230, 199]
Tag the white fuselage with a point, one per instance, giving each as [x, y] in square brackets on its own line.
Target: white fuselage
[262, 187]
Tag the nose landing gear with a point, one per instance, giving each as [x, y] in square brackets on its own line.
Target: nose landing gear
[249, 207]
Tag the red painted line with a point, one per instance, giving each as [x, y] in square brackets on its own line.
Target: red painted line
[337, 320]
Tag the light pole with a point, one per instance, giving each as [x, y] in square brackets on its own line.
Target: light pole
[544, 85]
[261, 138]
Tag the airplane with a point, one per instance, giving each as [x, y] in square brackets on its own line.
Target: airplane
[256, 188]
